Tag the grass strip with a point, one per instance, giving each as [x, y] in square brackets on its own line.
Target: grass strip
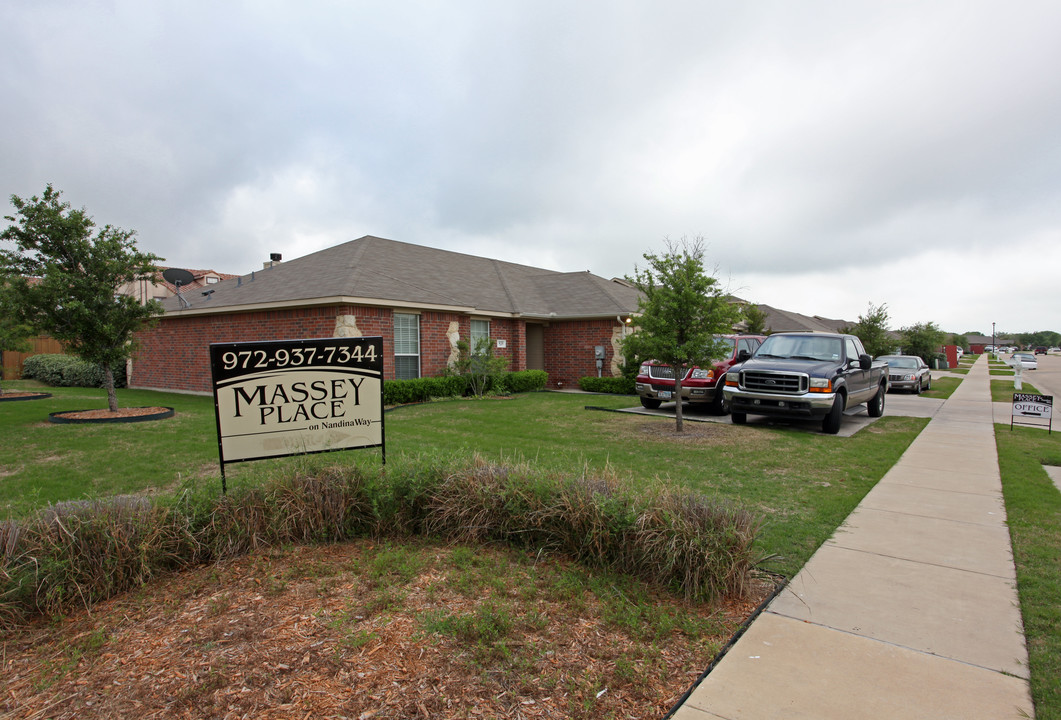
[1033, 509]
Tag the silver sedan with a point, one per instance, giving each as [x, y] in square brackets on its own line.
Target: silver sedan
[907, 372]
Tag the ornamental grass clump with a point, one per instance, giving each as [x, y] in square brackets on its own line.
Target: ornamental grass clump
[80, 553]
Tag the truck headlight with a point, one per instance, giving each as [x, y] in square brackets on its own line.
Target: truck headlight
[644, 370]
[732, 380]
[701, 374]
[821, 385]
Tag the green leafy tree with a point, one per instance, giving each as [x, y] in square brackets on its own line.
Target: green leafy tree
[478, 365]
[14, 334]
[681, 309]
[922, 339]
[65, 281]
[961, 341]
[754, 319]
[872, 330]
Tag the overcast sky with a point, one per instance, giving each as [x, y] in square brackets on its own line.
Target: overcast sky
[832, 155]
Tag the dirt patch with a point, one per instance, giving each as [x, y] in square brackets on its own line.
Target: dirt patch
[306, 633]
[693, 433]
[105, 414]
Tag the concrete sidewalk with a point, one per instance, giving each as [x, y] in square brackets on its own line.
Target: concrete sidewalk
[909, 611]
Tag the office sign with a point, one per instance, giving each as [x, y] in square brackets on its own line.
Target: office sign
[1033, 407]
[292, 397]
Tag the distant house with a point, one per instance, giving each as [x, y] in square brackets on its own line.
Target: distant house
[420, 300]
[158, 288]
[778, 320]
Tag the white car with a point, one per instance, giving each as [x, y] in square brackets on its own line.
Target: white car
[1027, 361]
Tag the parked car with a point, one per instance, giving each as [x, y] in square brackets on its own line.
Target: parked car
[1040, 350]
[655, 381]
[907, 372]
[1026, 360]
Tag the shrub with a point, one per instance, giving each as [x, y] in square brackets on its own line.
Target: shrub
[402, 392]
[81, 553]
[68, 371]
[522, 381]
[611, 385]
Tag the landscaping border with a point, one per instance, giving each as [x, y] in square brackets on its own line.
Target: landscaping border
[57, 417]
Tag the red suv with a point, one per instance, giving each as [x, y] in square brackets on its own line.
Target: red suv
[655, 382]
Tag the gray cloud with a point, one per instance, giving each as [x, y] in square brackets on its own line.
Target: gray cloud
[833, 154]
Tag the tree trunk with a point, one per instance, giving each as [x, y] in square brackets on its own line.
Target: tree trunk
[678, 399]
[108, 382]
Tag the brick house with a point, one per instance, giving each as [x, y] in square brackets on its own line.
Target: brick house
[420, 300]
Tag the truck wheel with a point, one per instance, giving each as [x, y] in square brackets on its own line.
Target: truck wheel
[738, 418]
[831, 422]
[718, 405]
[876, 405]
[650, 403]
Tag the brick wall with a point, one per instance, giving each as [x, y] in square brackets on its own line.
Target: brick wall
[569, 350]
[175, 355]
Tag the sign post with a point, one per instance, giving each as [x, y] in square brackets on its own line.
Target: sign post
[294, 397]
[1039, 407]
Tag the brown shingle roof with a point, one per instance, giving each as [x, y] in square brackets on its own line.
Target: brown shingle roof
[372, 270]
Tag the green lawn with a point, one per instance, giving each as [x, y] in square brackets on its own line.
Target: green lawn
[803, 484]
[1033, 510]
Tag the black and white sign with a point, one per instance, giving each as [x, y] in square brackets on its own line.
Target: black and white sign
[291, 397]
[1039, 406]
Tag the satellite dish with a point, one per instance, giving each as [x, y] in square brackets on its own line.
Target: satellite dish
[177, 276]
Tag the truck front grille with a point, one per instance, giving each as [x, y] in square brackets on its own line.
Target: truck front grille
[661, 372]
[774, 382]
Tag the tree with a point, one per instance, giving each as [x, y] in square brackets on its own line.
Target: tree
[961, 341]
[478, 365]
[872, 330]
[754, 319]
[14, 334]
[681, 309]
[65, 280]
[922, 339]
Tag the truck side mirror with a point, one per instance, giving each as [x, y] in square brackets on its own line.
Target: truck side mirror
[865, 362]
[743, 355]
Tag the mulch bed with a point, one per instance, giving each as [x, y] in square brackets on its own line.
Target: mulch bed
[268, 636]
[120, 415]
[23, 395]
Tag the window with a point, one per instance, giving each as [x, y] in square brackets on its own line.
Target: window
[406, 346]
[480, 332]
[212, 279]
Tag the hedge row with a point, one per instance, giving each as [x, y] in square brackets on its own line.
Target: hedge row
[610, 385]
[400, 392]
[79, 553]
[68, 371]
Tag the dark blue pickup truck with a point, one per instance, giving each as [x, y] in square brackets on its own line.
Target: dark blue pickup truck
[811, 375]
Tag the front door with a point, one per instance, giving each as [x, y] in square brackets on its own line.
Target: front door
[535, 347]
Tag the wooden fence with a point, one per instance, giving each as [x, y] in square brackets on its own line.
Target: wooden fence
[13, 361]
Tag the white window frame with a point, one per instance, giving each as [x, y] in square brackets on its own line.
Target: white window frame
[475, 336]
[401, 349]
